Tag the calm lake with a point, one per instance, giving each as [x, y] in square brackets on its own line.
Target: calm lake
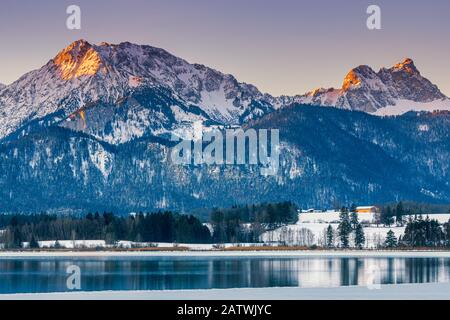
[30, 275]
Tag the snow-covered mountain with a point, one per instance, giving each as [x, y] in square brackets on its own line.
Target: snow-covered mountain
[88, 131]
[83, 76]
[392, 91]
[120, 92]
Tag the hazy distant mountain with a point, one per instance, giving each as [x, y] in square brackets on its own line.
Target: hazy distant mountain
[390, 91]
[89, 131]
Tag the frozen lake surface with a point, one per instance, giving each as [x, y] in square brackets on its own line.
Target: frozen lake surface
[423, 291]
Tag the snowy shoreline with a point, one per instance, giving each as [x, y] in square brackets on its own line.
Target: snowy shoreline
[428, 291]
[268, 253]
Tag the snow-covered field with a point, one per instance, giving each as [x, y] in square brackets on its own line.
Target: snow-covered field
[70, 244]
[440, 217]
[101, 244]
[190, 246]
[434, 291]
[311, 229]
[307, 234]
[330, 217]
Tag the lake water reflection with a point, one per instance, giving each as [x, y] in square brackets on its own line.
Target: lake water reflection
[18, 275]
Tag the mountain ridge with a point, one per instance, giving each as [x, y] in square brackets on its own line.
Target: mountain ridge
[82, 75]
[365, 90]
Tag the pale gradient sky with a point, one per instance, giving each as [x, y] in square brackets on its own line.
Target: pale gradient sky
[281, 46]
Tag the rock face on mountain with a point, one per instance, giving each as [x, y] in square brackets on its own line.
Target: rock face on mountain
[91, 130]
[366, 90]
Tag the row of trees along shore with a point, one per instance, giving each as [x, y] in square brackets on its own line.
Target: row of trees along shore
[236, 224]
[157, 227]
[247, 223]
[230, 225]
[419, 231]
[399, 213]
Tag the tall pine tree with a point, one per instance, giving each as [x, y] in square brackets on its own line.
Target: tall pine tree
[360, 238]
[344, 228]
[399, 212]
[330, 237]
[354, 220]
[391, 240]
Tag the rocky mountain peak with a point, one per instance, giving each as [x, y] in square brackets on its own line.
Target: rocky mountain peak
[406, 65]
[363, 89]
[79, 59]
[357, 76]
[85, 74]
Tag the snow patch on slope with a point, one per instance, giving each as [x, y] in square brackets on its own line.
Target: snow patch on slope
[404, 106]
[101, 159]
[215, 103]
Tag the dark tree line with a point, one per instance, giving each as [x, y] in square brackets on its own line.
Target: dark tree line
[247, 223]
[421, 232]
[236, 224]
[397, 213]
[155, 227]
[426, 232]
[394, 213]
